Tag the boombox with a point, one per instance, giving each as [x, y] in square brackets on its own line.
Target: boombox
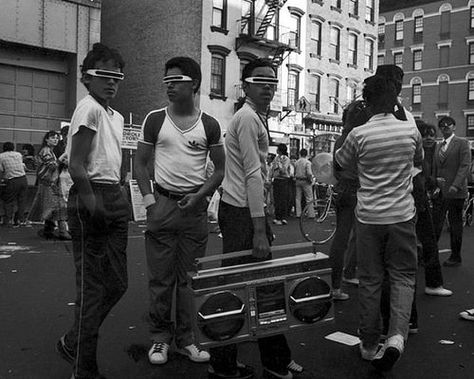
[254, 300]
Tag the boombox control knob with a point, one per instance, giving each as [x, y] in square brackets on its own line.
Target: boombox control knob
[221, 279]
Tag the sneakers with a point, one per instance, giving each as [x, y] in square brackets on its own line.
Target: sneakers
[294, 367]
[64, 351]
[337, 294]
[194, 353]
[277, 222]
[158, 354]
[438, 291]
[353, 281]
[367, 354]
[284, 222]
[468, 314]
[389, 353]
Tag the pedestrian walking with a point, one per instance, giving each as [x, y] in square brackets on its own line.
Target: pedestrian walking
[97, 209]
[304, 183]
[12, 170]
[242, 217]
[180, 137]
[281, 184]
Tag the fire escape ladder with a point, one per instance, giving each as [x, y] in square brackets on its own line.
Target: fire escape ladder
[273, 7]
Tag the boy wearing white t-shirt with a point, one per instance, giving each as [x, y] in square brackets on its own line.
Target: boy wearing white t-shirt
[97, 210]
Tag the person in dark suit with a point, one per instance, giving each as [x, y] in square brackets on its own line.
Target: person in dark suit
[452, 161]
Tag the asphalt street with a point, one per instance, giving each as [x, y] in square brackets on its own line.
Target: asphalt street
[37, 291]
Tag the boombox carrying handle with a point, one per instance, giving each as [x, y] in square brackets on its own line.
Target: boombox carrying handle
[245, 253]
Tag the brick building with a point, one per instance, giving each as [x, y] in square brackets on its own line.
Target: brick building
[42, 43]
[223, 35]
[433, 41]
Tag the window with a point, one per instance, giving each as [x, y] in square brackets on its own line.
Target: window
[417, 60]
[336, 4]
[316, 28]
[471, 53]
[444, 56]
[470, 92]
[443, 88]
[217, 74]
[418, 29]
[293, 81]
[354, 7]
[219, 13]
[416, 93]
[471, 23]
[369, 10]
[445, 27]
[398, 59]
[380, 60]
[381, 34]
[351, 92]
[352, 49]
[334, 95]
[246, 23]
[470, 125]
[272, 29]
[335, 44]
[399, 30]
[315, 91]
[295, 30]
[369, 54]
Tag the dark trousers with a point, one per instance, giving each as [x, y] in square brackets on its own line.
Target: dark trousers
[281, 194]
[99, 243]
[454, 209]
[237, 234]
[345, 204]
[15, 193]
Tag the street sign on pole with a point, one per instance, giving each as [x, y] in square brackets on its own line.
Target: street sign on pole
[303, 105]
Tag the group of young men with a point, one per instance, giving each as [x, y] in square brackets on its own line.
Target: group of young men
[179, 139]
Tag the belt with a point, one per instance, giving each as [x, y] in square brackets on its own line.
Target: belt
[170, 195]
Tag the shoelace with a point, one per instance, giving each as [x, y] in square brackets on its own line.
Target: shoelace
[196, 348]
[159, 347]
[295, 367]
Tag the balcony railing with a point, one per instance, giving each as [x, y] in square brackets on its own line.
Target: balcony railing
[280, 34]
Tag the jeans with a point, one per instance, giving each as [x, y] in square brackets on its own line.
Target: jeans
[173, 240]
[15, 192]
[385, 249]
[237, 233]
[281, 193]
[345, 203]
[454, 209]
[99, 244]
[351, 256]
[303, 187]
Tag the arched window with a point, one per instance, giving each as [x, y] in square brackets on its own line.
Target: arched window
[416, 91]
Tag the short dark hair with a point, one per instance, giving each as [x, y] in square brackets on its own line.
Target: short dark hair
[47, 135]
[8, 146]
[101, 53]
[252, 65]
[380, 94]
[282, 149]
[303, 152]
[424, 128]
[446, 121]
[188, 66]
[355, 114]
[29, 148]
[393, 73]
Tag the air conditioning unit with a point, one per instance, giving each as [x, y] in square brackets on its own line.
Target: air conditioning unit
[248, 301]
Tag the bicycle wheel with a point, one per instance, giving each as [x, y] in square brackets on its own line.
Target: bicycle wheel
[320, 228]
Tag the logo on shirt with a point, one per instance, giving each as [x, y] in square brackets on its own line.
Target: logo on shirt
[195, 145]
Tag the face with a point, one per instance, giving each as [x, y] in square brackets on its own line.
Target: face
[179, 91]
[429, 138]
[103, 89]
[447, 131]
[52, 140]
[261, 94]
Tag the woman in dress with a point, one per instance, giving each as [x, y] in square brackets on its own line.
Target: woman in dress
[49, 204]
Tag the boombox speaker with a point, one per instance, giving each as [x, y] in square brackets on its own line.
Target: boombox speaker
[249, 301]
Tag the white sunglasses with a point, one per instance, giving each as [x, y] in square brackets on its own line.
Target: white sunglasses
[105, 74]
[177, 78]
[262, 80]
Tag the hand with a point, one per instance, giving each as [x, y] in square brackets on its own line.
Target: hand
[261, 247]
[189, 202]
[452, 190]
[440, 182]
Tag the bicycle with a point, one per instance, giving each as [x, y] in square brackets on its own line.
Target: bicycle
[322, 227]
[468, 208]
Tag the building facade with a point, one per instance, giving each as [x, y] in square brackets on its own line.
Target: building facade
[223, 35]
[42, 44]
[433, 41]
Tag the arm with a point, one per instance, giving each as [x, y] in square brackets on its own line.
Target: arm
[464, 166]
[217, 155]
[346, 156]
[80, 148]
[143, 156]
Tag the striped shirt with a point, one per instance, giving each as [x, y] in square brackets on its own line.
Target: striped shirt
[385, 150]
[11, 164]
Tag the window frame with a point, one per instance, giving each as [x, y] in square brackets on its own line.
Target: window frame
[471, 52]
[223, 16]
[471, 17]
[395, 55]
[416, 93]
[380, 59]
[316, 94]
[417, 29]
[335, 102]
[294, 90]
[297, 32]
[354, 7]
[369, 57]
[469, 130]
[221, 77]
[335, 48]
[399, 31]
[352, 59]
[370, 11]
[470, 91]
[318, 41]
[417, 63]
[443, 93]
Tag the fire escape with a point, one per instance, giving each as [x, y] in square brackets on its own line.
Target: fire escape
[253, 30]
